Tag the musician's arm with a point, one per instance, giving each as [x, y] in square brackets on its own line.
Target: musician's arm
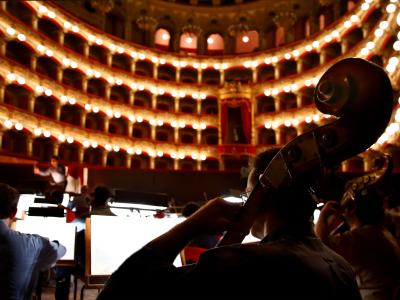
[328, 217]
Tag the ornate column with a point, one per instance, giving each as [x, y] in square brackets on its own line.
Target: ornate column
[278, 136]
[2, 92]
[61, 36]
[155, 71]
[152, 163]
[29, 145]
[277, 102]
[33, 62]
[81, 154]
[176, 164]
[176, 104]
[133, 65]
[59, 75]
[34, 21]
[104, 155]
[131, 97]
[57, 111]
[198, 165]
[86, 50]
[106, 123]
[153, 132]
[322, 57]
[3, 47]
[109, 58]
[130, 128]
[108, 91]
[83, 118]
[31, 102]
[178, 74]
[198, 106]
[198, 140]
[199, 75]
[277, 71]
[299, 100]
[176, 134]
[1, 138]
[254, 75]
[153, 101]
[128, 161]
[84, 84]
[221, 76]
[299, 65]
[55, 148]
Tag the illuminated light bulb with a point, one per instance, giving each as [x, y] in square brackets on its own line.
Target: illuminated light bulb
[173, 124]
[287, 56]
[86, 144]
[72, 101]
[347, 24]
[42, 9]
[111, 80]
[161, 91]
[354, 18]
[204, 65]
[39, 89]
[296, 53]
[19, 126]
[396, 45]
[216, 66]
[295, 122]
[99, 41]
[174, 93]
[275, 92]
[183, 64]
[64, 99]
[11, 76]
[378, 32]
[162, 61]
[160, 122]
[120, 50]
[391, 8]
[245, 39]
[129, 151]
[37, 131]
[307, 82]
[247, 64]
[48, 92]
[364, 51]
[254, 64]
[132, 118]
[133, 54]
[370, 45]
[8, 123]
[364, 6]
[175, 63]
[316, 118]
[194, 155]
[393, 61]
[75, 28]
[203, 156]
[308, 48]
[89, 72]
[287, 123]
[165, 36]
[203, 96]
[140, 87]
[66, 62]
[154, 60]
[160, 153]
[286, 89]
[153, 90]
[94, 144]
[188, 40]
[195, 126]
[95, 109]
[173, 155]
[315, 80]
[73, 65]
[315, 44]
[267, 93]
[46, 133]
[117, 114]
[267, 125]
[21, 37]
[182, 124]
[390, 68]
[196, 65]
[384, 25]
[308, 119]
[275, 124]
[51, 14]
[139, 119]
[195, 95]
[41, 48]
[109, 112]
[116, 148]
[328, 38]
[142, 56]
[152, 153]
[294, 87]
[49, 53]
[88, 107]
[10, 31]
[138, 151]
[335, 33]
[21, 80]
[108, 147]
[182, 94]
[267, 61]
[61, 138]
[67, 25]
[274, 59]
[181, 155]
[203, 126]
[91, 38]
[119, 82]
[210, 40]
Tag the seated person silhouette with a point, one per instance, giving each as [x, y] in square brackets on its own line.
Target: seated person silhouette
[367, 245]
[290, 262]
[101, 196]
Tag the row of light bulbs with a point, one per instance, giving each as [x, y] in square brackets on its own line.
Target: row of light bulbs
[93, 38]
[86, 143]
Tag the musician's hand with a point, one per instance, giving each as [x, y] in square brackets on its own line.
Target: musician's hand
[36, 170]
[331, 208]
[216, 216]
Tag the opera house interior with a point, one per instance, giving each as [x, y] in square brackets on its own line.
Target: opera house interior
[166, 101]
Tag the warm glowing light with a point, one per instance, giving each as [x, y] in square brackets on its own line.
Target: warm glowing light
[396, 45]
[188, 40]
[391, 8]
[210, 40]
[37, 131]
[108, 147]
[70, 140]
[165, 36]
[364, 6]
[116, 148]
[245, 39]
[354, 18]
[46, 133]
[19, 126]
[384, 25]
[8, 123]
[347, 24]
[21, 37]
[378, 32]
[370, 45]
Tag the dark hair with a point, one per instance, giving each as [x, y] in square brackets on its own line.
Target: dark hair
[57, 196]
[101, 195]
[8, 200]
[294, 202]
[190, 208]
[369, 206]
[55, 157]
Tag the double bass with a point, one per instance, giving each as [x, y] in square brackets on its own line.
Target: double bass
[359, 94]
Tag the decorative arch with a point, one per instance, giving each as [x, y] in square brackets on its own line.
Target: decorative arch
[215, 44]
[162, 38]
[188, 42]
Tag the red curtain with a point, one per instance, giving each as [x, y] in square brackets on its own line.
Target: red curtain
[224, 121]
[245, 111]
[246, 120]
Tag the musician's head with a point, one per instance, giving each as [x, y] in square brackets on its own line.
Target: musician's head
[292, 205]
[54, 161]
[8, 201]
[367, 208]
